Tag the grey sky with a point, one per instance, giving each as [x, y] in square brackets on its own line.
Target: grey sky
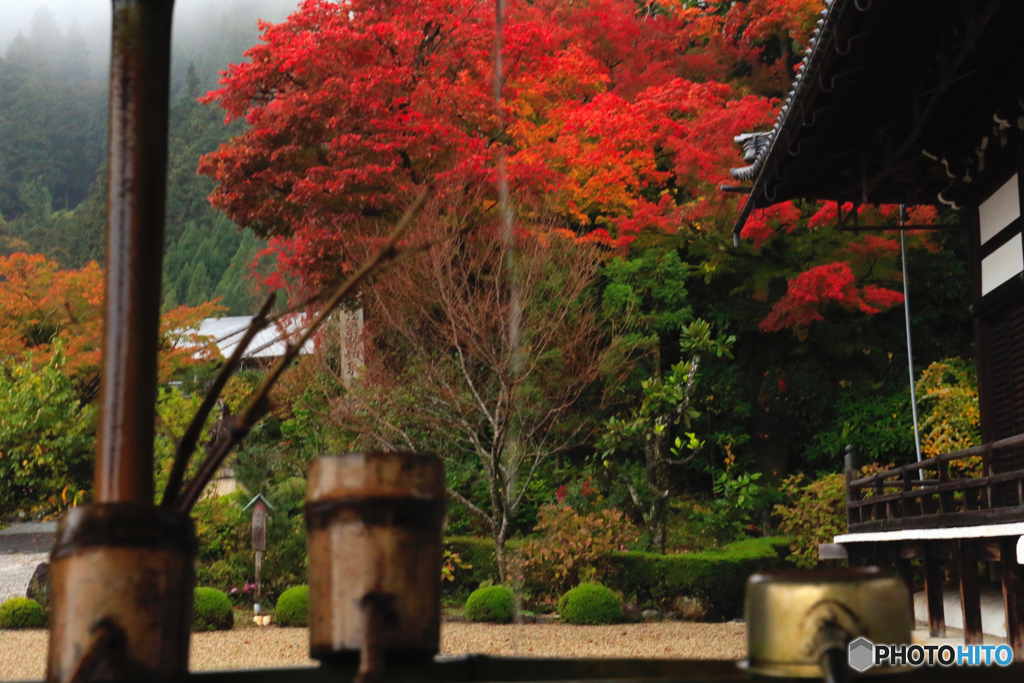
[93, 16]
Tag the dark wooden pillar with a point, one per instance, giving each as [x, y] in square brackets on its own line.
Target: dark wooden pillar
[933, 577]
[1013, 595]
[906, 572]
[970, 600]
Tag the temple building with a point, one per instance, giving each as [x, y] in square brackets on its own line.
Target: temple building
[922, 102]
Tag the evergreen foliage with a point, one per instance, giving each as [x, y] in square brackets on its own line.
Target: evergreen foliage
[212, 611]
[53, 117]
[492, 603]
[589, 603]
[47, 436]
[293, 607]
[718, 576]
[22, 613]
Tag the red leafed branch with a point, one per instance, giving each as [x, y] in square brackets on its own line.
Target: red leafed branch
[813, 290]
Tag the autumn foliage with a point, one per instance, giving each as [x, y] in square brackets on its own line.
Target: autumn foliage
[616, 117]
[44, 309]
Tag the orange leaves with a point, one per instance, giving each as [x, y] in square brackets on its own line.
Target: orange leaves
[41, 306]
[352, 106]
[40, 303]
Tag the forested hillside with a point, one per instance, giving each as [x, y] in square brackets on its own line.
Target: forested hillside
[53, 122]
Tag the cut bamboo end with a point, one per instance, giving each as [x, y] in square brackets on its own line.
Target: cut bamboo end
[122, 578]
[375, 522]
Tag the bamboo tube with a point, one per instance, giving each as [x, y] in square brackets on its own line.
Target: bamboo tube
[375, 522]
[122, 576]
[122, 571]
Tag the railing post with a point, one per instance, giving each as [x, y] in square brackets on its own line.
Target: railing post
[987, 460]
[851, 474]
[945, 497]
[908, 486]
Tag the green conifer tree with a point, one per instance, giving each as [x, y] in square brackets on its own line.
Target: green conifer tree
[200, 288]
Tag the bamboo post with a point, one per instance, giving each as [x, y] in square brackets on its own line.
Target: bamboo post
[375, 523]
[122, 570]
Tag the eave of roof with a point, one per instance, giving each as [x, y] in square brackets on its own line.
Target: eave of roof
[761, 145]
[886, 91]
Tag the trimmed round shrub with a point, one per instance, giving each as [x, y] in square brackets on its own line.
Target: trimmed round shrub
[589, 603]
[493, 603]
[22, 613]
[293, 607]
[212, 611]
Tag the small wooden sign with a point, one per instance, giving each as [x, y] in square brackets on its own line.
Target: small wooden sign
[259, 526]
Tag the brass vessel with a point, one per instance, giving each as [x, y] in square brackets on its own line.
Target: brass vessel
[794, 618]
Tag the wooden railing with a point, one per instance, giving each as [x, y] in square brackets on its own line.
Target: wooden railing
[922, 495]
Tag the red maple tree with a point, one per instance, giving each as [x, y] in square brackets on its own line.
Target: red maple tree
[616, 118]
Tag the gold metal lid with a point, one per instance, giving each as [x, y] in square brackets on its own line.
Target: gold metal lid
[795, 617]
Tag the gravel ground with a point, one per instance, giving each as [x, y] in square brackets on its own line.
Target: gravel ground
[23, 653]
[15, 572]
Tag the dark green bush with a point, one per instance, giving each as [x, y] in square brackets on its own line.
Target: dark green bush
[293, 607]
[719, 576]
[212, 611]
[589, 603]
[22, 613]
[493, 603]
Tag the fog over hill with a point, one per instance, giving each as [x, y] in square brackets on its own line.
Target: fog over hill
[197, 23]
[54, 57]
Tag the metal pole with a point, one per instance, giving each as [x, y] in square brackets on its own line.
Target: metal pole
[910, 346]
[139, 83]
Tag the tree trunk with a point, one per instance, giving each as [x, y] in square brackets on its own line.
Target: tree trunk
[657, 527]
[499, 551]
[656, 523]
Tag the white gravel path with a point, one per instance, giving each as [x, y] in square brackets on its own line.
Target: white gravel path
[23, 653]
[15, 572]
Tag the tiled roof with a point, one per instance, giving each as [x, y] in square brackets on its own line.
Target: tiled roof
[756, 146]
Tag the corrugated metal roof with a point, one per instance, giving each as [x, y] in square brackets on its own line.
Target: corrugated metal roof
[268, 343]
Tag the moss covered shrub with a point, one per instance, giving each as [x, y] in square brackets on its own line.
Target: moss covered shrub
[212, 611]
[589, 603]
[22, 613]
[493, 603]
[293, 607]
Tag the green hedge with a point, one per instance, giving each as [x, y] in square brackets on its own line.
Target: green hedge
[212, 611]
[589, 603]
[718, 576]
[22, 613]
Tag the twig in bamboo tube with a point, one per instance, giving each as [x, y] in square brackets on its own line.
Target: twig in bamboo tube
[104, 636]
[259, 402]
[187, 444]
